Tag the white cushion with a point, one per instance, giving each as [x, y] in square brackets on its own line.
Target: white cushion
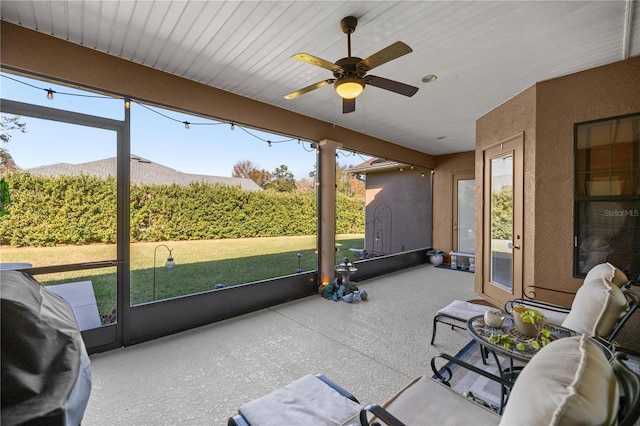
[569, 382]
[597, 307]
[307, 401]
[607, 270]
[465, 310]
[427, 402]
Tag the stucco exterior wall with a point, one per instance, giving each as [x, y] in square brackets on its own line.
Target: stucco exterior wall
[602, 92]
[446, 167]
[547, 113]
[408, 195]
[517, 115]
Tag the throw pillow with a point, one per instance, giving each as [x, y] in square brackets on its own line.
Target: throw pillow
[607, 270]
[569, 382]
[597, 307]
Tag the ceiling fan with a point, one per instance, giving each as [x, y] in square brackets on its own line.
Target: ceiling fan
[350, 73]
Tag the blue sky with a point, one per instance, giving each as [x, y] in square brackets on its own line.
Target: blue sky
[210, 149]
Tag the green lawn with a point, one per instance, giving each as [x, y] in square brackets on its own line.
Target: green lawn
[200, 265]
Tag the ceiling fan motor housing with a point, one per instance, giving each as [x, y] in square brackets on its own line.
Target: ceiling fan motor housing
[348, 24]
[349, 67]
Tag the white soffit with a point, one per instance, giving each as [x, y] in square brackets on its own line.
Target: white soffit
[483, 52]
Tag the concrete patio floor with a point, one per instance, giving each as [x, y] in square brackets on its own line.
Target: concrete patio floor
[202, 376]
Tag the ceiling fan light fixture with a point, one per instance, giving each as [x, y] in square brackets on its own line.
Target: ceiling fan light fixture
[350, 73]
[349, 87]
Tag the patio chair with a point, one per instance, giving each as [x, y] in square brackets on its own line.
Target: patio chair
[570, 381]
[601, 307]
[576, 381]
[457, 314]
[310, 400]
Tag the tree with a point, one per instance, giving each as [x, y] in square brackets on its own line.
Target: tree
[261, 177]
[356, 186]
[282, 180]
[348, 183]
[243, 169]
[8, 124]
[305, 185]
[502, 213]
[247, 170]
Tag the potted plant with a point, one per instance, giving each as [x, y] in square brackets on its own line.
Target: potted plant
[436, 256]
[531, 323]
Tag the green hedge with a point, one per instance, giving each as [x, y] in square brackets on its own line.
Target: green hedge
[47, 211]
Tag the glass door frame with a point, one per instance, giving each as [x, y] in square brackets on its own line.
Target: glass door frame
[112, 335]
[513, 146]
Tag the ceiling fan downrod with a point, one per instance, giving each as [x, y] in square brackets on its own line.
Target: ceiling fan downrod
[348, 26]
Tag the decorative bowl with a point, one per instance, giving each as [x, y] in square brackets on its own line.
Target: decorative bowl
[493, 319]
[524, 328]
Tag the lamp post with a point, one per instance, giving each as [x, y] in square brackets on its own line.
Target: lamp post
[299, 267]
[169, 264]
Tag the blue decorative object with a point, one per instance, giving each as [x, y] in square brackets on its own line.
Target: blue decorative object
[217, 286]
[436, 257]
[348, 298]
[363, 295]
[341, 291]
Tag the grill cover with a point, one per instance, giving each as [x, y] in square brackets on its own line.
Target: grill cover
[46, 375]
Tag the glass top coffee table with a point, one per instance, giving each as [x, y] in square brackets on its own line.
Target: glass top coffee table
[510, 343]
[506, 339]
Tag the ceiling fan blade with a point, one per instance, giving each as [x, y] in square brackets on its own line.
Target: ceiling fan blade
[304, 90]
[348, 105]
[392, 85]
[385, 55]
[314, 60]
